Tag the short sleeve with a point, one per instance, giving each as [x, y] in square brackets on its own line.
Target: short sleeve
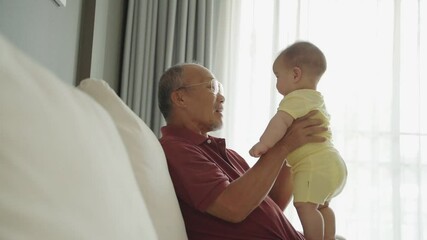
[197, 180]
[298, 103]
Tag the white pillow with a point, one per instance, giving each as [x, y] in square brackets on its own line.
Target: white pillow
[148, 161]
[64, 171]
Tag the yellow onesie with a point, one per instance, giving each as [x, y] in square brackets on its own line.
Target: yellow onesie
[319, 173]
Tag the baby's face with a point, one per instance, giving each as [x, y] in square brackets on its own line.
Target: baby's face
[284, 76]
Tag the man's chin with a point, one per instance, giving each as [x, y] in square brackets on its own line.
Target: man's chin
[217, 126]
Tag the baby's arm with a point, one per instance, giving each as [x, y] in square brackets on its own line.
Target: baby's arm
[275, 130]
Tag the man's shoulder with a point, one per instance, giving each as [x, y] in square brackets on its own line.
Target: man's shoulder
[176, 145]
[171, 140]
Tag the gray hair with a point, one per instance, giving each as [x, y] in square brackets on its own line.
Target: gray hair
[170, 80]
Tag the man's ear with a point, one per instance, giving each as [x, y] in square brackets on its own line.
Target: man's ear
[297, 73]
[177, 98]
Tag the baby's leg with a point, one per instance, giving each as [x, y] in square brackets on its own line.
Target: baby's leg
[329, 221]
[311, 220]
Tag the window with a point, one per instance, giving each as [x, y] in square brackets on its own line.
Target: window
[374, 89]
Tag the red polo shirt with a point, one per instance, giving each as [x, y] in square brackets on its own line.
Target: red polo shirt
[201, 168]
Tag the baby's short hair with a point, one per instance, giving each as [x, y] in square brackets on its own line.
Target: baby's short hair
[306, 56]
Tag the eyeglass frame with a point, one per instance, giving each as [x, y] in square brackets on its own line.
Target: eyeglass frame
[215, 90]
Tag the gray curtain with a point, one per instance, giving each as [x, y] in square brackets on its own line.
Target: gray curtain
[159, 34]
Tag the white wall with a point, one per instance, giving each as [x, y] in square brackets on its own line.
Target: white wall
[46, 32]
[82, 39]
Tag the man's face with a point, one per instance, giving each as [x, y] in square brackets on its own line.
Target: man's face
[204, 108]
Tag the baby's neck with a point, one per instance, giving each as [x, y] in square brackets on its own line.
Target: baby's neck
[306, 84]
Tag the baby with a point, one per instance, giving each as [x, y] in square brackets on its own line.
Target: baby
[318, 171]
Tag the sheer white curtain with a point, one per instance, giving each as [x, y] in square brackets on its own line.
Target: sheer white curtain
[375, 89]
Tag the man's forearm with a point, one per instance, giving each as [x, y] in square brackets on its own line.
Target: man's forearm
[243, 195]
[281, 192]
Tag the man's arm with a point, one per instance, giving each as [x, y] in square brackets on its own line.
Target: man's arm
[243, 195]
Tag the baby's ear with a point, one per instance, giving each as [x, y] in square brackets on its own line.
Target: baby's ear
[297, 73]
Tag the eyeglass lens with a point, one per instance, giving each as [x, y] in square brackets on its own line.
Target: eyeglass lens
[216, 87]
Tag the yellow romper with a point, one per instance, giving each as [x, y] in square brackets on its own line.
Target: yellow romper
[319, 173]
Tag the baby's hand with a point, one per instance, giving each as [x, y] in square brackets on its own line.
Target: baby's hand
[258, 149]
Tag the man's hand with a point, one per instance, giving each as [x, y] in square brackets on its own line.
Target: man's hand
[302, 131]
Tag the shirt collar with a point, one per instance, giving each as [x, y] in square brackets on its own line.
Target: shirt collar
[180, 132]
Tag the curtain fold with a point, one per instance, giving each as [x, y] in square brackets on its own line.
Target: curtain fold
[159, 34]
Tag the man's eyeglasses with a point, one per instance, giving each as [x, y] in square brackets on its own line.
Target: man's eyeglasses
[216, 86]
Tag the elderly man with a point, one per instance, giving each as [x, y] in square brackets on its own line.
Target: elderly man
[220, 196]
